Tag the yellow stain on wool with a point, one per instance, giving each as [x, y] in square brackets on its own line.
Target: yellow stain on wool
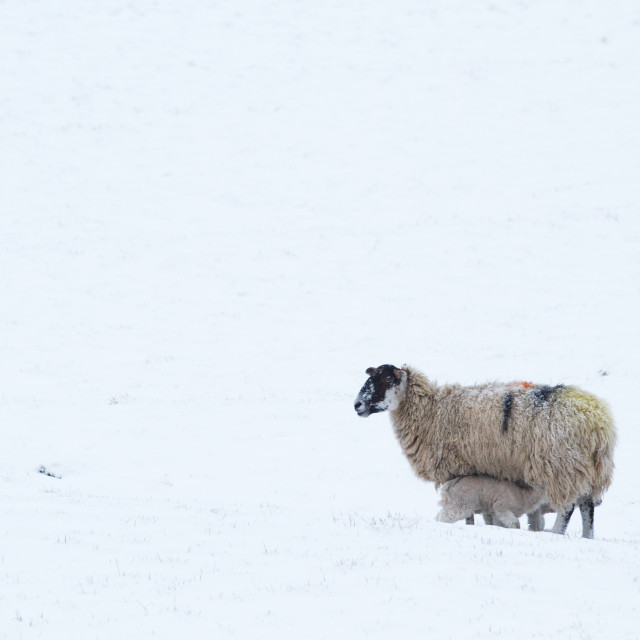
[595, 410]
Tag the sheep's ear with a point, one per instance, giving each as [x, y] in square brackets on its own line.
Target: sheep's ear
[398, 373]
[370, 371]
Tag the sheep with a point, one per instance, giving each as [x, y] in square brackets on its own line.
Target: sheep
[557, 439]
[499, 501]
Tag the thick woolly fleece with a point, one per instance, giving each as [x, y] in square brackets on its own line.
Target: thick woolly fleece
[557, 439]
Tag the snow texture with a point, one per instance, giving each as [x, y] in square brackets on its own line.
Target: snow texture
[215, 216]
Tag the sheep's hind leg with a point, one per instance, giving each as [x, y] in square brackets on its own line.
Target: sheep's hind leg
[586, 511]
[470, 519]
[562, 520]
[488, 518]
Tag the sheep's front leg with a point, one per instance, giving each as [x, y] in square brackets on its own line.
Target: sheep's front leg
[562, 520]
[470, 519]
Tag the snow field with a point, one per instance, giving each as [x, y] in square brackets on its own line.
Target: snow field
[216, 216]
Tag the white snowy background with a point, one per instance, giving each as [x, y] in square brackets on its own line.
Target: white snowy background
[215, 215]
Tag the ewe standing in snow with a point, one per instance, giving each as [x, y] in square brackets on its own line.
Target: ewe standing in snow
[559, 439]
[499, 501]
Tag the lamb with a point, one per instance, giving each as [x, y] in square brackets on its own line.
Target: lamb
[558, 439]
[499, 501]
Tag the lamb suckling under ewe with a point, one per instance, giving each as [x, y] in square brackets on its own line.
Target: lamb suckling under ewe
[558, 439]
[500, 502]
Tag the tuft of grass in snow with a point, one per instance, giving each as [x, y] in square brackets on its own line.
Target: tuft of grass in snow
[45, 472]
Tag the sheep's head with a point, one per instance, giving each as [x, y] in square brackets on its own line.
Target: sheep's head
[383, 390]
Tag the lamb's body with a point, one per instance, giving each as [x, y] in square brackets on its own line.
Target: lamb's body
[500, 501]
[557, 439]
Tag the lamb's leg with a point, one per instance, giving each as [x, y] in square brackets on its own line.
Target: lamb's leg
[507, 519]
[488, 518]
[536, 520]
[586, 511]
[470, 519]
[562, 520]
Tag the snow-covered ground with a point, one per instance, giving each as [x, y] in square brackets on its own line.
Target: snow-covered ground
[215, 216]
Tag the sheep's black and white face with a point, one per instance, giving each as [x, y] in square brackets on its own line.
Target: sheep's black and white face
[383, 391]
